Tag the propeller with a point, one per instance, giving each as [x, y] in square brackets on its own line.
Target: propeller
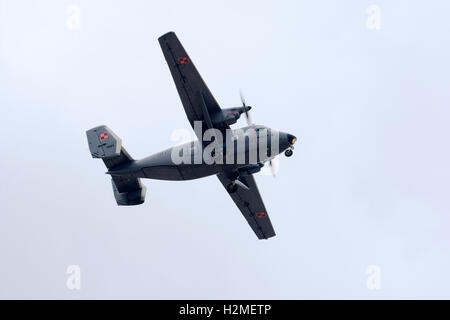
[272, 168]
[245, 108]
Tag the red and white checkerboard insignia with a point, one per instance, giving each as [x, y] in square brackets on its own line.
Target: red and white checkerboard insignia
[183, 60]
[261, 214]
[104, 136]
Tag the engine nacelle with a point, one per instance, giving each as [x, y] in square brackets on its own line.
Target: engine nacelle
[228, 116]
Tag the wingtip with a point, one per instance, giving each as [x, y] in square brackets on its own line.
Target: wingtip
[167, 34]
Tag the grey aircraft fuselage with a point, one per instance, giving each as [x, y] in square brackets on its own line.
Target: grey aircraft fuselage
[250, 156]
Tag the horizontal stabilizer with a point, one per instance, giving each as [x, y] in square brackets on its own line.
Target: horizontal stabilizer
[128, 191]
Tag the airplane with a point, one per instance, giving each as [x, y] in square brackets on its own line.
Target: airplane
[204, 115]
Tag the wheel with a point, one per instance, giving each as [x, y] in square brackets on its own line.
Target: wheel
[288, 153]
[232, 188]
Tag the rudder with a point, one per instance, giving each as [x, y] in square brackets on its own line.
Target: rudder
[106, 145]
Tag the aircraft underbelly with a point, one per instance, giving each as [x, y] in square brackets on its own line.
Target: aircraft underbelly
[180, 172]
[162, 173]
[196, 171]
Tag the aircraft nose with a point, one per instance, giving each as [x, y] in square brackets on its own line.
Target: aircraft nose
[291, 138]
[286, 140]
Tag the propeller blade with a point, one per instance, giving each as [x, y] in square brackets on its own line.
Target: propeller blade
[272, 168]
[242, 98]
[247, 116]
[241, 184]
[245, 108]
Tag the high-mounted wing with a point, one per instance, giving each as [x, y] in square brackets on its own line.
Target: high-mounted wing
[198, 102]
[251, 205]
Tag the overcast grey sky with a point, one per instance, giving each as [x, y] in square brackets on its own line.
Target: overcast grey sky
[368, 183]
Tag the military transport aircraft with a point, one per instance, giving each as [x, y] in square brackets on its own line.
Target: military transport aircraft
[203, 112]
